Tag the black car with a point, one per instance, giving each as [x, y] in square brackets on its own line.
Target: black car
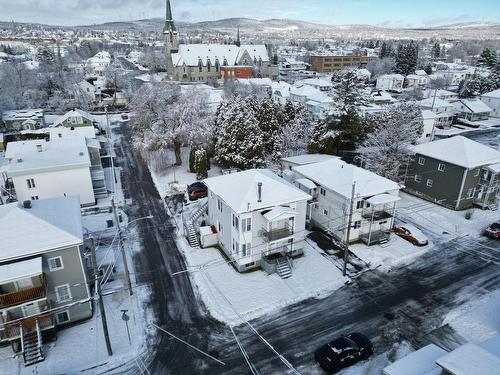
[343, 352]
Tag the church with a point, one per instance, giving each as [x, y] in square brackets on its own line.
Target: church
[209, 62]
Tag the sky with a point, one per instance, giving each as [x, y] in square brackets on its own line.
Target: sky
[388, 13]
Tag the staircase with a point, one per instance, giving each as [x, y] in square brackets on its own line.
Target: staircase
[199, 211]
[31, 343]
[192, 237]
[283, 268]
[493, 206]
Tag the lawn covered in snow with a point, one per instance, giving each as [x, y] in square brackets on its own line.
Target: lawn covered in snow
[228, 293]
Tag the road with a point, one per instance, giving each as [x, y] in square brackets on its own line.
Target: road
[406, 304]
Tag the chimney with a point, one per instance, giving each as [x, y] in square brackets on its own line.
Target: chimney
[39, 147]
[27, 204]
[259, 192]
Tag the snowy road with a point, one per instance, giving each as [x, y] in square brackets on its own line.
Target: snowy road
[407, 304]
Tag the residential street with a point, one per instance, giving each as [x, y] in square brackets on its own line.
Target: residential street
[406, 304]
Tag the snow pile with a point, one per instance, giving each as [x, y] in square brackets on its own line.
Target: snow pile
[228, 293]
[477, 320]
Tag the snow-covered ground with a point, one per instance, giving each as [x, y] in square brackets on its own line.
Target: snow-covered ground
[177, 177]
[477, 320]
[152, 77]
[459, 129]
[394, 253]
[228, 293]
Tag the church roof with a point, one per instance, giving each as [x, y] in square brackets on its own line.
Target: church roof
[190, 54]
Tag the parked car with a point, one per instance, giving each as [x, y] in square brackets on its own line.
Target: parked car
[196, 185]
[197, 193]
[493, 231]
[343, 352]
[411, 234]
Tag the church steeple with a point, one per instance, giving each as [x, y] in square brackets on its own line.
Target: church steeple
[169, 20]
[238, 43]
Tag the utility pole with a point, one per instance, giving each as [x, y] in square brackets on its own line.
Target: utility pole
[122, 247]
[99, 294]
[346, 245]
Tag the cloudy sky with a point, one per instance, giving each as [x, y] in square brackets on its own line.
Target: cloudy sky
[390, 13]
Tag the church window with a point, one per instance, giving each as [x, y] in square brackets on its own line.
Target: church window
[208, 65]
[200, 65]
[217, 65]
[224, 62]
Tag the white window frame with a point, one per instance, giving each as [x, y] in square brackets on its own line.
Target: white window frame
[31, 183]
[418, 178]
[441, 167]
[246, 249]
[58, 297]
[421, 160]
[431, 182]
[63, 312]
[470, 193]
[246, 224]
[51, 269]
[325, 212]
[360, 204]
[357, 224]
[322, 191]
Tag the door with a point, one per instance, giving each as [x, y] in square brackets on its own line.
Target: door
[24, 283]
[31, 309]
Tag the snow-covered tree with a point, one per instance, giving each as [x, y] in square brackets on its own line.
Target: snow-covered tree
[296, 130]
[380, 67]
[166, 117]
[488, 58]
[436, 50]
[201, 164]
[239, 141]
[406, 58]
[479, 85]
[386, 150]
[348, 91]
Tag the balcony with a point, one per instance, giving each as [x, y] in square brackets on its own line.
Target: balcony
[22, 296]
[379, 207]
[377, 213]
[275, 234]
[13, 326]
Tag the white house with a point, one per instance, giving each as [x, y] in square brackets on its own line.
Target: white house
[472, 109]
[318, 83]
[390, 82]
[492, 100]
[374, 201]
[65, 165]
[429, 118]
[289, 162]
[260, 218]
[416, 81]
[97, 64]
[317, 102]
[444, 110]
[82, 122]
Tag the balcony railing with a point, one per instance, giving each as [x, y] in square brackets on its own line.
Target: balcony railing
[379, 212]
[13, 330]
[278, 233]
[23, 296]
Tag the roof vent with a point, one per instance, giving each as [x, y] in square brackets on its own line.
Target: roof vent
[27, 204]
[19, 160]
[39, 147]
[80, 153]
[259, 192]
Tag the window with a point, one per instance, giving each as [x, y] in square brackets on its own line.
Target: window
[246, 249]
[62, 317]
[55, 264]
[34, 197]
[236, 222]
[219, 204]
[359, 204]
[322, 191]
[418, 178]
[31, 183]
[246, 224]
[357, 224]
[429, 182]
[63, 293]
[236, 245]
[325, 212]
[470, 193]
[441, 167]
[421, 160]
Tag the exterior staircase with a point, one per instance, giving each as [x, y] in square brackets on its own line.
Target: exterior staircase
[493, 206]
[192, 237]
[31, 344]
[199, 211]
[283, 268]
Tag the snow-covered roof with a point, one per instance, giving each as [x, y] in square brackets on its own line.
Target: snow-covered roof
[338, 176]
[306, 183]
[420, 362]
[280, 213]
[435, 103]
[474, 105]
[20, 270]
[49, 224]
[256, 81]
[74, 113]
[391, 76]
[470, 359]
[240, 190]
[492, 94]
[380, 95]
[40, 155]
[383, 199]
[426, 114]
[495, 168]
[460, 151]
[308, 158]
[191, 54]
[319, 82]
[22, 114]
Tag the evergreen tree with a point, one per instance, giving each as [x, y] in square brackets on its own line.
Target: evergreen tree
[201, 164]
[436, 50]
[348, 91]
[385, 50]
[406, 58]
[488, 58]
[192, 161]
